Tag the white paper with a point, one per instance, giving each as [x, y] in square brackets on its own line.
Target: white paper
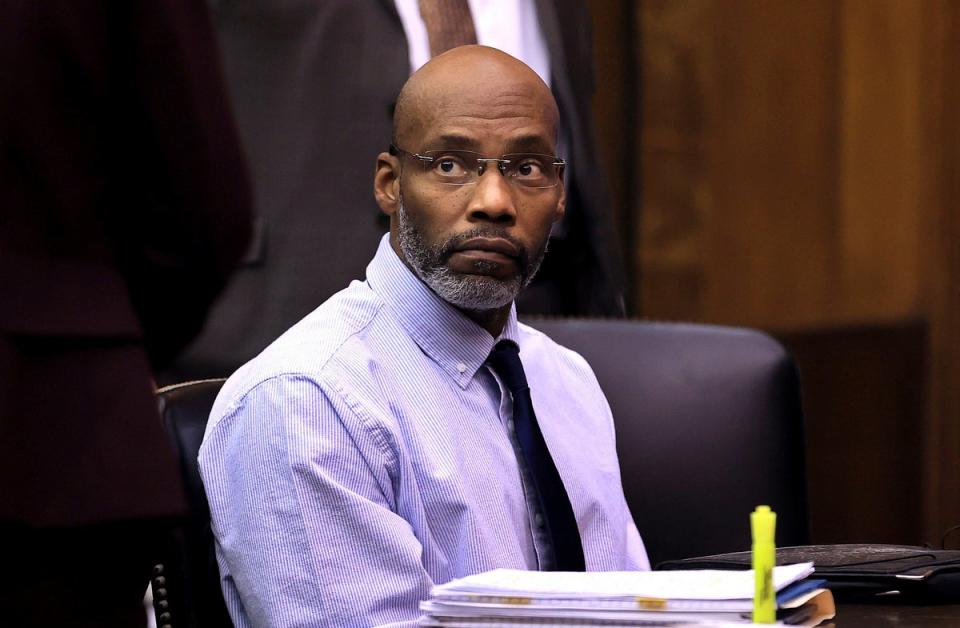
[665, 585]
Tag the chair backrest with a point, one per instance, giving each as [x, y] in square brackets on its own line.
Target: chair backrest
[709, 425]
[190, 596]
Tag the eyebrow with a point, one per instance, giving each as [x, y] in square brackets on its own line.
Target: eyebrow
[454, 141]
[524, 143]
[529, 143]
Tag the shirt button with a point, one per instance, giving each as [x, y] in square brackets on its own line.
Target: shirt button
[462, 367]
[510, 424]
[538, 520]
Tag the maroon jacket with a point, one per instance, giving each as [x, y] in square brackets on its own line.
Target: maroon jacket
[124, 205]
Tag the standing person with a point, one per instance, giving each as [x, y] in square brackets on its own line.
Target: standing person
[124, 205]
[410, 430]
[315, 85]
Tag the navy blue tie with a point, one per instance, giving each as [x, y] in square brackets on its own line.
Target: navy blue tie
[560, 522]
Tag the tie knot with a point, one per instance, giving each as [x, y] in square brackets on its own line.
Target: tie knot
[505, 361]
[449, 24]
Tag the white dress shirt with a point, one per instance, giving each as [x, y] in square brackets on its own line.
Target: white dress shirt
[365, 456]
[509, 25]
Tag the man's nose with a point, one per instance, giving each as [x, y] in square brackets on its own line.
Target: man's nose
[492, 198]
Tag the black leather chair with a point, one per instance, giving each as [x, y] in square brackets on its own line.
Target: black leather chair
[709, 425]
[186, 582]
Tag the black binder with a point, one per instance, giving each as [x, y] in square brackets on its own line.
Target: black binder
[861, 573]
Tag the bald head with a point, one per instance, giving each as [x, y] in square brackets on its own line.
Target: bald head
[470, 80]
[473, 233]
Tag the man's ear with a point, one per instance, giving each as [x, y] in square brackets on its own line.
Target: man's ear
[386, 183]
[562, 201]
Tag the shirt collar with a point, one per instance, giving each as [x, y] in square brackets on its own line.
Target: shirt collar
[456, 343]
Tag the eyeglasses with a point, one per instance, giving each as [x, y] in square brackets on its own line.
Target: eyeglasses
[465, 167]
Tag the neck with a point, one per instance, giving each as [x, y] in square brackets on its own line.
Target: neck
[492, 320]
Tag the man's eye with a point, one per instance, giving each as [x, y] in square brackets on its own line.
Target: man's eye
[449, 166]
[530, 168]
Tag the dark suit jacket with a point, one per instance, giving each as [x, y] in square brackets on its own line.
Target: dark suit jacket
[314, 83]
[124, 204]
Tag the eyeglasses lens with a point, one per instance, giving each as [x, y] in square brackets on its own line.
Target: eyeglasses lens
[461, 167]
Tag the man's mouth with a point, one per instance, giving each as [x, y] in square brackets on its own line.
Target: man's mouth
[493, 256]
[493, 250]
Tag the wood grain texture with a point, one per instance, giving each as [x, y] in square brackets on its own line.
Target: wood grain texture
[784, 161]
[941, 265]
[800, 171]
[862, 402]
[614, 103]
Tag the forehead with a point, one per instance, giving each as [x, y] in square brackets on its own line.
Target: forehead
[507, 115]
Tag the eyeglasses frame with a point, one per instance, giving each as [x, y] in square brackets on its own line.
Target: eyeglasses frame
[500, 161]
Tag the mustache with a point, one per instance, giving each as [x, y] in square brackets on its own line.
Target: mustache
[454, 243]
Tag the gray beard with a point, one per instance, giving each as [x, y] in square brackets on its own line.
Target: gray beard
[465, 291]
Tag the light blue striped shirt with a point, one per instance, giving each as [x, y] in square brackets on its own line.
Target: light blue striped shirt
[365, 455]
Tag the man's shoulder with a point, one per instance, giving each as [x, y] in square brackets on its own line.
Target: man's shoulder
[563, 378]
[546, 352]
[310, 349]
[532, 339]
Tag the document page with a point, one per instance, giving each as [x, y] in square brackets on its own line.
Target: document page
[667, 585]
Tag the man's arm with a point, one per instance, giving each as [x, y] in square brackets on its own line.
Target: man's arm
[302, 505]
[635, 557]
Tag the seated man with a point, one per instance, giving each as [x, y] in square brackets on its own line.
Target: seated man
[388, 441]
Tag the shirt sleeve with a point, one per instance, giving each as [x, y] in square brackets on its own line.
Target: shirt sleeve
[302, 507]
[635, 557]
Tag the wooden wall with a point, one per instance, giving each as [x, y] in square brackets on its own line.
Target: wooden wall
[795, 169]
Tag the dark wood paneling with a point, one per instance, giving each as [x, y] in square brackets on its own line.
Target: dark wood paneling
[864, 403]
[614, 103]
[771, 243]
[941, 264]
[671, 169]
[784, 160]
[799, 171]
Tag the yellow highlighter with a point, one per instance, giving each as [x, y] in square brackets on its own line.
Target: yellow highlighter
[763, 524]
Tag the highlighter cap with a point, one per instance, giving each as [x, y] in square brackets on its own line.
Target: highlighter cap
[763, 524]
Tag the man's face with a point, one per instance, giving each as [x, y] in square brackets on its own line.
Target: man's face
[476, 245]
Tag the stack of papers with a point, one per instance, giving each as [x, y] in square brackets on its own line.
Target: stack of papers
[509, 597]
